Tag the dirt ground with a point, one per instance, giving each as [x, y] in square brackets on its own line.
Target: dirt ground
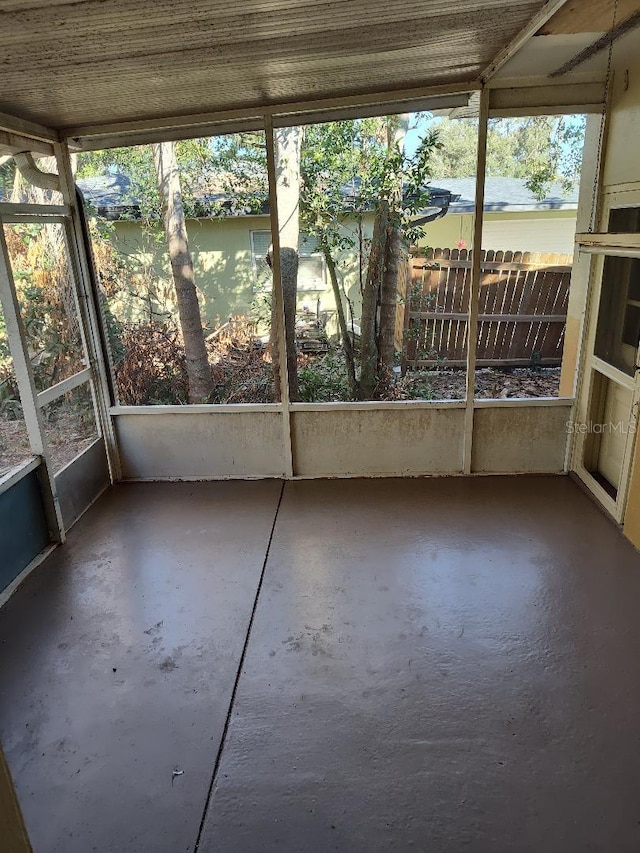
[490, 383]
[518, 382]
[67, 436]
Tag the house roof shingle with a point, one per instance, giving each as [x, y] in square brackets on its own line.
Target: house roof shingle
[507, 194]
[113, 192]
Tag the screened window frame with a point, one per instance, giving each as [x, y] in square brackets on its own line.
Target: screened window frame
[47, 214]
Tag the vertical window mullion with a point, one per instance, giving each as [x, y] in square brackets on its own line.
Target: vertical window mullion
[476, 272]
[278, 297]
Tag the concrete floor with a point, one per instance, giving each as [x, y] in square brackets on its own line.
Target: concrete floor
[438, 665]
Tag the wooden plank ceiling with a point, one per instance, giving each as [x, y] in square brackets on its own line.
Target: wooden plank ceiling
[67, 63]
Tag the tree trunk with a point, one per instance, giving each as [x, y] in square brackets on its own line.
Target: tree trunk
[347, 343]
[389, 299]
[288, 141]
[168, 178]
[393, 256]
[370, 298]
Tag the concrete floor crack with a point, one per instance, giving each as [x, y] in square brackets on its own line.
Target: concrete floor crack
[223, 739]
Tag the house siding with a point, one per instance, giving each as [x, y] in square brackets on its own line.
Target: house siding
[221, 250]
[550, 232]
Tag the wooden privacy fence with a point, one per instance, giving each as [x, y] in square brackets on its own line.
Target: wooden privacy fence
[522, 308]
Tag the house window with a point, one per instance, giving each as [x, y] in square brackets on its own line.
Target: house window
[618, 329]
[624, 220]
[311, 263]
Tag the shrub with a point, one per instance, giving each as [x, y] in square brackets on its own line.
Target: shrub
[324, 379]
[152, 366]
[241, 364]
[47, 303]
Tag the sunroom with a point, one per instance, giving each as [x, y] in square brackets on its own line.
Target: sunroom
[266, 620]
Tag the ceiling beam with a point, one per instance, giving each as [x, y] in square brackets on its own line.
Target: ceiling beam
[547, 100]
[22, 127]
[13, 143]
[581, 78]
[225, 121]
[599, 44]
[539, 20]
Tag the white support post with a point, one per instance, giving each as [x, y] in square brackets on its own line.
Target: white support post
[476, 259]
[88, 313]
[279, 302]
[28, 394]
[582, 278]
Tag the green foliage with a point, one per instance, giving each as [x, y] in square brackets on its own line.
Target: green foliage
[324, 380]
[48, 309]
[348, 169]
[359, 159]
[136, 162]
[237, 165]
[233, 165]
[541, 149]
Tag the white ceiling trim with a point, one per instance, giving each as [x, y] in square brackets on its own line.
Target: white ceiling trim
[205, 124]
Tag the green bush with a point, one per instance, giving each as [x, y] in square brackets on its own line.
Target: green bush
[324, 380]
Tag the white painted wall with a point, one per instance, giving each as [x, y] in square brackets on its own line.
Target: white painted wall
[531, 235]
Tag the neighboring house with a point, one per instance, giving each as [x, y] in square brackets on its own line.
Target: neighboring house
[229, 250]
[513, 218]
